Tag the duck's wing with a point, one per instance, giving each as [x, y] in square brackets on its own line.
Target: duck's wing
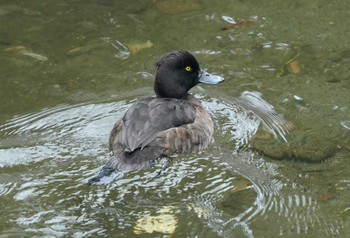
[147, 117]
[113, 136]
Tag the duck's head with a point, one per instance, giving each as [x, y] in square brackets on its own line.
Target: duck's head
[179, 71]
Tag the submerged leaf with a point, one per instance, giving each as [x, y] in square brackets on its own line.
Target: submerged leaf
[164, 223]
[134, 48]
[294, 67]
[36, 56]
[20, 49]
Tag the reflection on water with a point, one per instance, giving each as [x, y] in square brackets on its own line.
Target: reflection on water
[48, 156]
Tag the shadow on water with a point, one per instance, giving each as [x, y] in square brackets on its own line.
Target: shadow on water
[225, 191]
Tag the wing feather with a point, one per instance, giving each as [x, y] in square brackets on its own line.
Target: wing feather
[149, 116]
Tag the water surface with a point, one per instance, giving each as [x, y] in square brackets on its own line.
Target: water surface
[70, 69]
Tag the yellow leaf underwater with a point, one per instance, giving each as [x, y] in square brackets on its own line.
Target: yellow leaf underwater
[164, 223]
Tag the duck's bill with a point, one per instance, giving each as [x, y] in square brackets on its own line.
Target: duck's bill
[208, 78]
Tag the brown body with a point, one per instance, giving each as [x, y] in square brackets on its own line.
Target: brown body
[138, 140]
[173, 121]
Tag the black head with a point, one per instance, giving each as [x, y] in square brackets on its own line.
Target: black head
[177, 72]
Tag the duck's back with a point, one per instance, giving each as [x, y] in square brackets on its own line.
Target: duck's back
[155, 127]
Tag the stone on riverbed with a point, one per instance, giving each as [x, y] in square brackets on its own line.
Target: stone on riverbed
[301, 145]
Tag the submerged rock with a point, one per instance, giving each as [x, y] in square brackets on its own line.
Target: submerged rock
[301, 146]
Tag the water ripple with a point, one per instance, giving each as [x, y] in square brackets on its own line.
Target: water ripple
[232, 192]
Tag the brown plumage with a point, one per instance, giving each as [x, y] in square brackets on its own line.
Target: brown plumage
[172, 122]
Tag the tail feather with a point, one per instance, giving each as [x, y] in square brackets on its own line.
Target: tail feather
[104, 172]
[129, 161]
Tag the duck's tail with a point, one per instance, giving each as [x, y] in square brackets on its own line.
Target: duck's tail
[105, 172]
[128, 161]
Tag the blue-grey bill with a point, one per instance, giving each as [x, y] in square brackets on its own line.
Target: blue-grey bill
[208, 78]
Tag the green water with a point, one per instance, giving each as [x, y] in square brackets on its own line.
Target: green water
[68, 73]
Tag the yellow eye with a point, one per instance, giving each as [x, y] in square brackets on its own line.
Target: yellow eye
[188, 69]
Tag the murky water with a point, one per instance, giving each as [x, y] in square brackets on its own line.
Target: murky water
[69, 70]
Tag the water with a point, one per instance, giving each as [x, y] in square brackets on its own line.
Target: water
[69, 70]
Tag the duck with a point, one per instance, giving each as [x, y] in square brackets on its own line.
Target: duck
[173, 121]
